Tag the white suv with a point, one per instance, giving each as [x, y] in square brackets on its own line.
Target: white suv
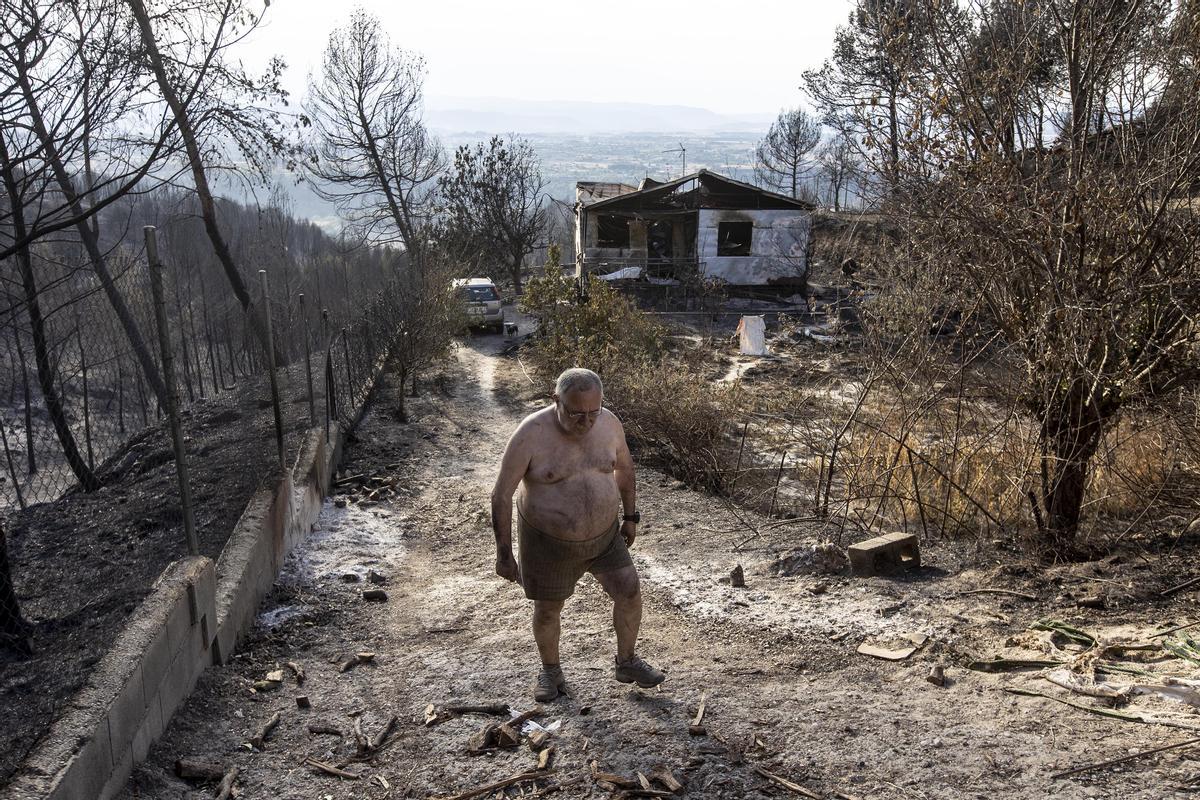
[483, 302]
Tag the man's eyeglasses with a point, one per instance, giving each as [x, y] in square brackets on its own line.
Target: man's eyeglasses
[580, 416]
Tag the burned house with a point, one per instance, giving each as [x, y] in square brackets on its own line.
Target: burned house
[703, 224]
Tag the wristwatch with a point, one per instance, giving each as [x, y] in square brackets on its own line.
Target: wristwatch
[635, 517]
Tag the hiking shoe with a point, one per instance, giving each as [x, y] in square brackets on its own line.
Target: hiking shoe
[549, 684]
[635, 670]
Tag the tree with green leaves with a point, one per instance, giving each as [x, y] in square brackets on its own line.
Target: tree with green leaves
[495, 197]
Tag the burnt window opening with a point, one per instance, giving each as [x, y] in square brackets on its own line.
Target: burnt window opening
[733, 238]
[612, 231]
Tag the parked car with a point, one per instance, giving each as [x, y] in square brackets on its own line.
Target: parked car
[484, 308]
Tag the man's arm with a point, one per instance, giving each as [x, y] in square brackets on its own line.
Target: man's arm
[626, 485]
[512, 468]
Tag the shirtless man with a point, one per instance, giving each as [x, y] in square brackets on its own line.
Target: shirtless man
[573, 465]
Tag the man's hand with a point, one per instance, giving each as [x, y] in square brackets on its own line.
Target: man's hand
[506, 567]
[629, 532]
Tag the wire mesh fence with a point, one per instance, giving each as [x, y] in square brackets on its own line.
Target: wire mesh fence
[88, 400]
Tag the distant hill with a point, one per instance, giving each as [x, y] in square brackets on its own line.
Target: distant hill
[501, 115]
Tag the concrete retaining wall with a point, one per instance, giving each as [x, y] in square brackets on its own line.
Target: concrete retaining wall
[274, 521]
[129, 698]
[194, 616]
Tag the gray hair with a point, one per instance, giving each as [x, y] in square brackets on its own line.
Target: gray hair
[578, 379]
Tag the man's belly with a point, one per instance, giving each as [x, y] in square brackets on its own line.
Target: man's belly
[575, 508]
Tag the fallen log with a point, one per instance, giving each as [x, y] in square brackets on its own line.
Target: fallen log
[319, 727]
[260, 738]
[378, 739]
[225, 790]
[199, 769]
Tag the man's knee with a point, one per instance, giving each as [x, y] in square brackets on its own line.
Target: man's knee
[547, 610]
[623, 584]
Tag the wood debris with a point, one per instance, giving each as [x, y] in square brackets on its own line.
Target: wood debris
[667, 779]
[1123, 759]
[358, 658]
[322, 728]
[695, 728]
[330, 769]
[302, 701]
[436, 716]
[225, 790]
[895, 653]
[375, 595]
[199, 769]
[612, 779]
[260, 738]
[497, 735]
[785, 783]
[937, 675]
[546, 758]
[491, 787]
[297, 671]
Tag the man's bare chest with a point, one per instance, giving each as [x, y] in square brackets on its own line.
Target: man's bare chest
[557, 462]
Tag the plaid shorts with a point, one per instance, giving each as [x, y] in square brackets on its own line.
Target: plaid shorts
[550, 567]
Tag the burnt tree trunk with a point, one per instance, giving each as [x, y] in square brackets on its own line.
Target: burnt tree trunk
[91, 243]
[54, 407]
[14, 630]
[208, 208]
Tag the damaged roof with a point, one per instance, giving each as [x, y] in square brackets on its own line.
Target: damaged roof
[707, 190]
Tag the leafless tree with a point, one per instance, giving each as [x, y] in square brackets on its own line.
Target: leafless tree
[495, 195]
[213, 103]
[838, 164]
[59, 129]
[870, 89]
[781, 158]
[1076, 254]
[371, 153]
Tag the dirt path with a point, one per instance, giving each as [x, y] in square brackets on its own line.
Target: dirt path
[786, 691]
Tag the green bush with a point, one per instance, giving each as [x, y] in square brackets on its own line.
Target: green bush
[672, 415]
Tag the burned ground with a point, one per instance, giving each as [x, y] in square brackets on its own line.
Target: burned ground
[82, 564]
[776, 663]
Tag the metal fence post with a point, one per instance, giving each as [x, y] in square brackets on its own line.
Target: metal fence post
[168, 365]
[349, 374]
[266, 303]
[330, 384]
[312, 414]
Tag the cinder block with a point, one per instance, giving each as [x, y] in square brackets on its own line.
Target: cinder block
[86, 772]
[180, 681]
[156, 661]
[147, 734]
[885, 555]
[127, 711]
[115, 787]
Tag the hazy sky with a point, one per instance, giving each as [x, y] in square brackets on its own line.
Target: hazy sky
[728, 57]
